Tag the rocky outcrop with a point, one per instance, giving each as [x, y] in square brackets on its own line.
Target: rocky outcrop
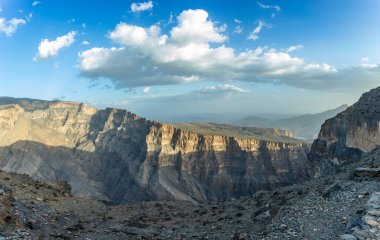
[114, 154]
[348, 135]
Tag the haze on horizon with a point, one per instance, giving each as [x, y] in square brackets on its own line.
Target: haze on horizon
[192, 59]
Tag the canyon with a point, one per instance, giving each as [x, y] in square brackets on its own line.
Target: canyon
[187, 181]
[117, 156]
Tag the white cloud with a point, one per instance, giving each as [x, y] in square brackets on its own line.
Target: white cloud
[275, 7]
[194, 51]
[238, 30]
[210, 92]
[48, 49]
[29, 17]
[365, 63]
[225, 89]
[85, 43]
[139, 7]
[146, 90]
[171, 18]
[254, 35]
[35, 3]
[195, 27]
[222, 28]
[293, 48]
[129, 34]
[237, 21]
[9, 27]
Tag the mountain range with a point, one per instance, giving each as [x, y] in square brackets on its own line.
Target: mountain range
[115, 155]
[304, 126]
[197, 181]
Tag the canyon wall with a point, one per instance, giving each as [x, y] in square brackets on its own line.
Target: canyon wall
[115, 155]
[347, 136]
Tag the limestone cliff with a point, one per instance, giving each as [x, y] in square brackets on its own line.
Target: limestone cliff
[348, 135]
[114, 154]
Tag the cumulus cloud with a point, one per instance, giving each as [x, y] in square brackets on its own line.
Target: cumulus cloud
[9, 27]
[195, 51]
[140, 7]
[254, 35]
[48, 49]
[195, 27]
[128, 34]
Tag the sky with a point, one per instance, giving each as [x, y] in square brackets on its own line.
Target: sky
[190, 60]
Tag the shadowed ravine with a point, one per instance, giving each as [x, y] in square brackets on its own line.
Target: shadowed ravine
[105, 175]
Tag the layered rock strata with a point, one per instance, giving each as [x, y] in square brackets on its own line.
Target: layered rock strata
[114, 154]
[348, 135]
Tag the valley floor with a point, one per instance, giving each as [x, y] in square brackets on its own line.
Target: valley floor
[333, 207]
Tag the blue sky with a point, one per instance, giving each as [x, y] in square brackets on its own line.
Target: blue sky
[178, 60]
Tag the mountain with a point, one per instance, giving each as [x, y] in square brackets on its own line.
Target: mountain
[341, 201]
[349, 135]
[304, 126]
[341, 205]
[115, 155]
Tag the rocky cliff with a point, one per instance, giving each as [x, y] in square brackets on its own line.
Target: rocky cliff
[116, 155]
[348, 135]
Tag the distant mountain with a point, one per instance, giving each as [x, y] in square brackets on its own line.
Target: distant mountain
[305, 126]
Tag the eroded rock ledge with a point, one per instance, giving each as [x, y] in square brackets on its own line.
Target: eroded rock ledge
[115, 155]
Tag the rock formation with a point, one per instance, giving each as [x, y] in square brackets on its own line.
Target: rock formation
[114, 154]
[335, 206]
[348, 135]
[118, 155]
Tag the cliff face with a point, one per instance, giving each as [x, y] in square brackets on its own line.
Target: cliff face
[348, 135]
[114, 154]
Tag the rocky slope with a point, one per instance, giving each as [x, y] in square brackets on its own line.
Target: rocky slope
[114, 154]
[344, 205]
[348, 135]
[305, 126]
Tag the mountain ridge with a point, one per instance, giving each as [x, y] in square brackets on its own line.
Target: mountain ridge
[116, 155]
[304, 126]
[349, 135]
